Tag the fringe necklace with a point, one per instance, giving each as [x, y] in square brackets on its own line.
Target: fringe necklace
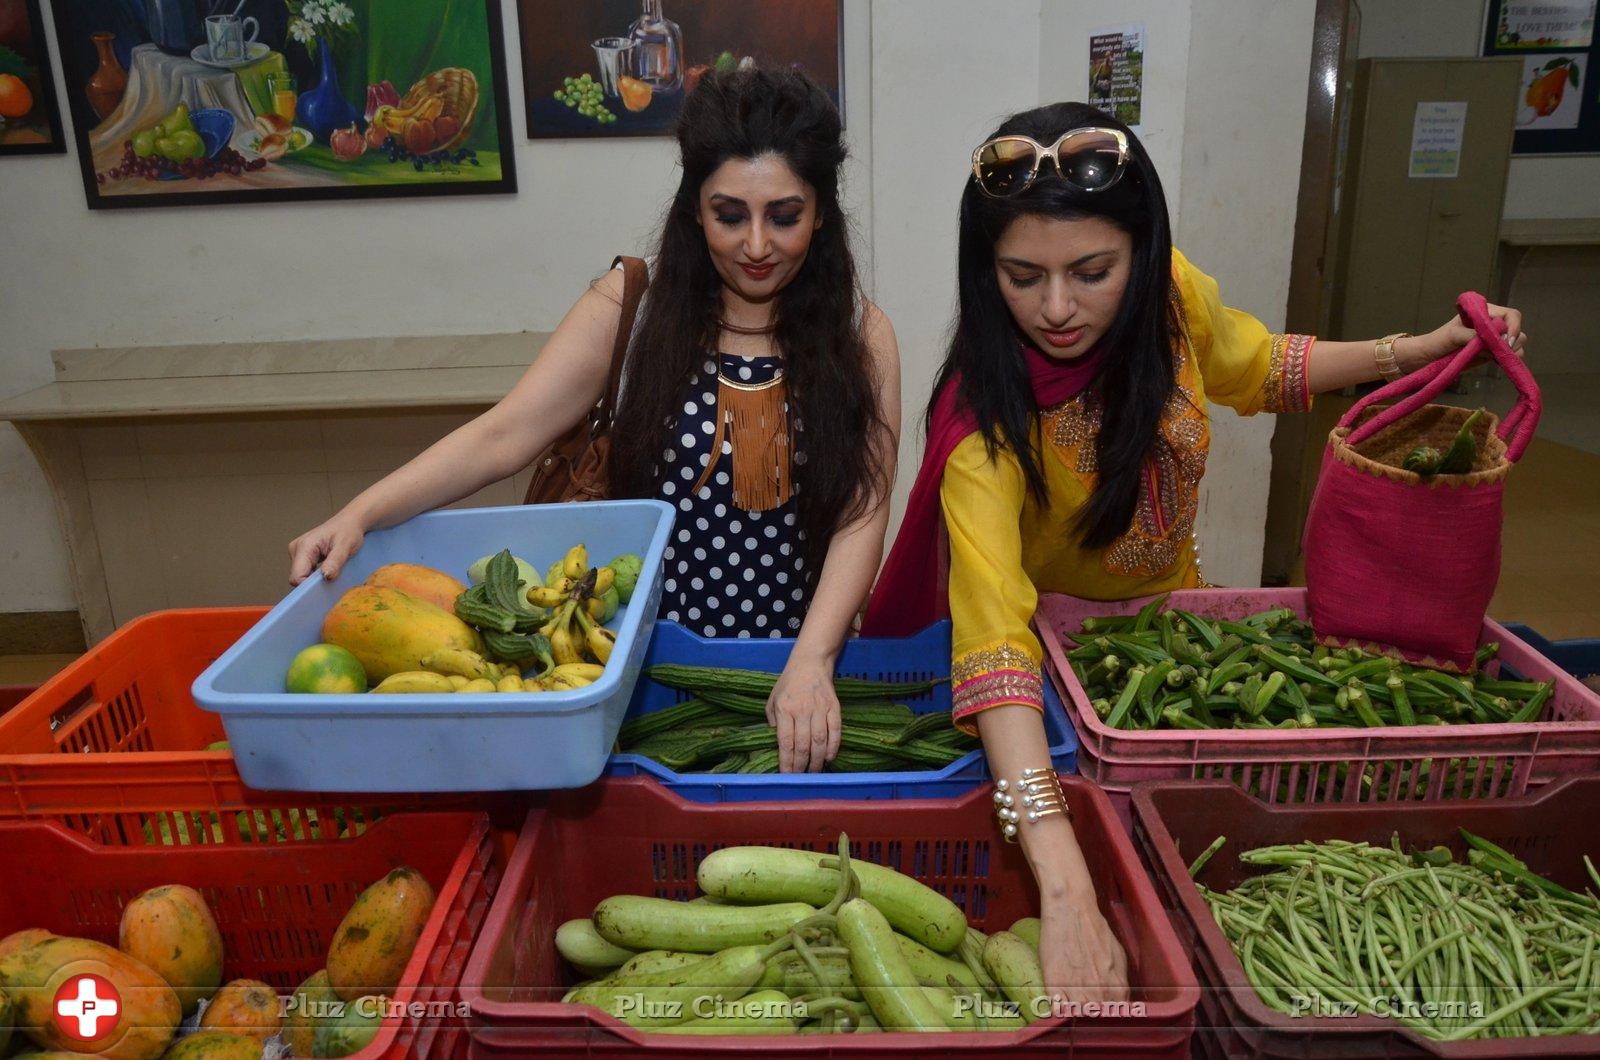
[755, 419]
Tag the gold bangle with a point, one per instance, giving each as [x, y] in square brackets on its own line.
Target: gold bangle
[1041, 796]
[1388, 367]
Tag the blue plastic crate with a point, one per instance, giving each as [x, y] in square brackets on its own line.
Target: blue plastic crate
[457, 742]
[1579, 657]
[917, 658]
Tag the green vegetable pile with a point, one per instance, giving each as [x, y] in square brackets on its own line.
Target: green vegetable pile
[1175, 670]
[1486, 949]
[723, 728]
[789, 941]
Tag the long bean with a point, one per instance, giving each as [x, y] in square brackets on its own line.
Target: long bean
[1476, 950]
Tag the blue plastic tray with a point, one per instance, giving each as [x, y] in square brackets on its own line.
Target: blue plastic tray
[917, 658]
[1579, 657]
[459, 742]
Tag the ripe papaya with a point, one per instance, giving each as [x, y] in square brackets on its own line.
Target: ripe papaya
[217, 1045]
[313, 1004]
[391, 632]
[21, 940]
[244, 1006]
[172, 930]
[353, 1031]
[150, 1010]
[6, 1022]
[374, 941]
[424, 583]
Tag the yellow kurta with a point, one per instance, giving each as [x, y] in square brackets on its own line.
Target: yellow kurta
[1005, 548]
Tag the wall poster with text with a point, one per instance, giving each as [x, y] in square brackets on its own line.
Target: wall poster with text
[1558, 109]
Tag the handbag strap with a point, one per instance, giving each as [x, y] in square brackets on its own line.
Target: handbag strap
[1411, 392]
[635, 279]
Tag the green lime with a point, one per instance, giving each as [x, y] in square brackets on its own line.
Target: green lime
[326, 668]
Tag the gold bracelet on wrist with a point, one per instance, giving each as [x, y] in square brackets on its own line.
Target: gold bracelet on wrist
[1039, 791]
[1388, 367]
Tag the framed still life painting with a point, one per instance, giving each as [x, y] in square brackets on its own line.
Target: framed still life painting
[185, 102]
[610, 68]
[30, 122]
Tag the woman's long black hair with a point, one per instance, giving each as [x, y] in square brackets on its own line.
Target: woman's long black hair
[832, 385]
[1137, 377]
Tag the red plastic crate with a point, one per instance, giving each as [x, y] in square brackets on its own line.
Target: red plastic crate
[1328, 765]
[1175, 820]
[11, 695]
[633, 836]
[277, 903]
[127, 701]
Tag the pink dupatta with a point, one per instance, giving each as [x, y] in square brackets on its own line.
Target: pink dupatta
[913, 590]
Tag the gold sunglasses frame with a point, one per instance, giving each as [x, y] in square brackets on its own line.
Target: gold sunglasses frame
[1041, 152]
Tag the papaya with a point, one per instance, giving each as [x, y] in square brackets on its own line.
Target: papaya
[21, 940]
[6, 1022]
[217, 1045]
[313, 1004]
[374, 941]
[172, 930]
[150, 1009]
[353, 1031]
[391, 632]
[423, 583]
[244, 1006]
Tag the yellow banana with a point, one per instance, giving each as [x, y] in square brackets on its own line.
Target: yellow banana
[457, 681]
[532, 684]
[415, 681]
[479, 684]
[576, 562]
[563, 647]
[585, 672]
[468, 664]
[510, 683]
[597, 638]
[604, 578]
[566, 684]
[596, 607]
[546, 596]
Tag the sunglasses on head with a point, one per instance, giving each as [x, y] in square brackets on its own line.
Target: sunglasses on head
[1090, 159]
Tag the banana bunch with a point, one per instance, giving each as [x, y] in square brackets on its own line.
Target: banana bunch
[577, 601]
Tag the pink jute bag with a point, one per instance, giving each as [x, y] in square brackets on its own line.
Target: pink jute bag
[1402, 564]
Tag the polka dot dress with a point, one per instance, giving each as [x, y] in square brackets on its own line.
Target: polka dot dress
[727, 572]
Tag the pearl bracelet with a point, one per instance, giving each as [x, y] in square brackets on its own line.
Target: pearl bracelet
[1041, 797]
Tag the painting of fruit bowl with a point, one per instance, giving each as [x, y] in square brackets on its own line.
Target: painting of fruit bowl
[613, 68]
[30, 124]
[187, 102]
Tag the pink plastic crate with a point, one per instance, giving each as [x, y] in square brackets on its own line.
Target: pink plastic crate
[1327, 765]
[631, 835]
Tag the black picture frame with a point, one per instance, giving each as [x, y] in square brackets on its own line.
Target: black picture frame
[1584, 139]
[548, 120]
[44, 90]
[84, 121]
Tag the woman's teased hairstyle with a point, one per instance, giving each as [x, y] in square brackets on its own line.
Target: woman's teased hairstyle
[832, 385]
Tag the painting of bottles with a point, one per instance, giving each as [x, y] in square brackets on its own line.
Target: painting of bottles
[191, 102]
[622, 67]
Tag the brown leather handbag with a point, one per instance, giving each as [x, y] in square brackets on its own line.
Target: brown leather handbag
[576, 467]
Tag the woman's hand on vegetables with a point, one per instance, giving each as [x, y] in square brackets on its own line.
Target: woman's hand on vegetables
[329, 545]
[1081, 959]
[1418, 351]
[804, 709]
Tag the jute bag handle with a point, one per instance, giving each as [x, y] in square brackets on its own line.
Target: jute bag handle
[1421, 387]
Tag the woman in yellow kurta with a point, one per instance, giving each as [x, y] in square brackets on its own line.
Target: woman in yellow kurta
[1082, 330]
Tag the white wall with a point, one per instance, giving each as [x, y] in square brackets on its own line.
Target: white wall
[1556, 186]
[925, 79]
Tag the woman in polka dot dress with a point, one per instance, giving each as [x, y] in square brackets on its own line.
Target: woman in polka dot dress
[761, 396]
